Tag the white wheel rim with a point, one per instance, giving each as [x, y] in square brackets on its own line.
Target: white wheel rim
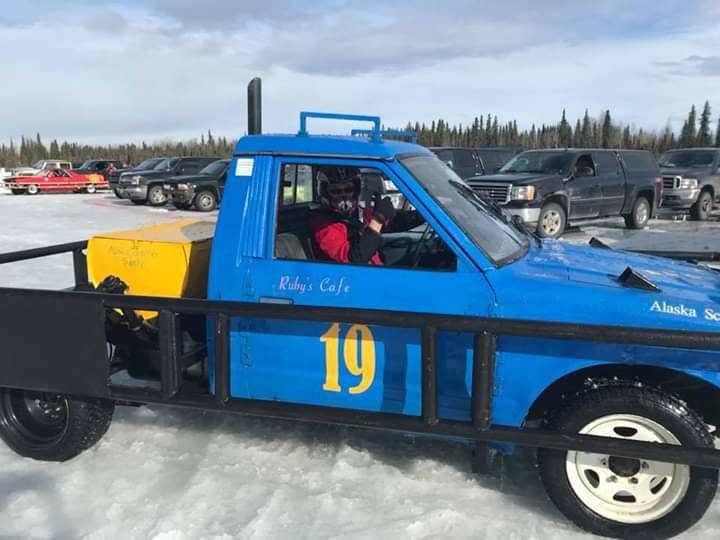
[626, 490]
[642, 213]
[551, 222]
[91, 189]
[32, 189]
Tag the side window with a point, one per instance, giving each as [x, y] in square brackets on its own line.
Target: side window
[342, 227]
[584, 166]
[189, 167]
[297, 184]
[607, 163]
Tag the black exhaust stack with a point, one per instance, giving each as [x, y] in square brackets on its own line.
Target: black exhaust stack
[255, 107]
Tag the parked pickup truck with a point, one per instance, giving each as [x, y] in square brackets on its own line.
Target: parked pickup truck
[607, 361]
[145, 165]
[548, 188]
[147, 186]
[467, 162]
[202, 191]
[692, 180]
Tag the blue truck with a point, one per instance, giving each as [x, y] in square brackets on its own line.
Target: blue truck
[606, 362]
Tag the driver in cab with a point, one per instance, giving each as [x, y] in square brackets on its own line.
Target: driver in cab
[337, 232]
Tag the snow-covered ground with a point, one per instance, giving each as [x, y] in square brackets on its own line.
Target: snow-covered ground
[169, 474]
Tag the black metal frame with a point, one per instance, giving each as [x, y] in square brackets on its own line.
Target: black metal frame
[485, 330]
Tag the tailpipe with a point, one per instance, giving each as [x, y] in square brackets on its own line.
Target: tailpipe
[255, 107]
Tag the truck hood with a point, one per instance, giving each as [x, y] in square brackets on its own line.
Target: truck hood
[696, 172]
[514, 178]
[569, 283]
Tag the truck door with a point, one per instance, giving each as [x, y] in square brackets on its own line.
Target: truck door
[612, 182]
[584, 189]
[355, 366]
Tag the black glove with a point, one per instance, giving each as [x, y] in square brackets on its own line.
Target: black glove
[384, 210]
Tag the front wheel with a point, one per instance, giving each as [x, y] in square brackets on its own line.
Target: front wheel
[32, 189]
[552, 221]
[51, 427]
[205, 201]
[640, 215]
[156, 196]
[700, 211]
[621, 497]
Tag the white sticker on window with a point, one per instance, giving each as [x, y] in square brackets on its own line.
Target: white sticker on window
[244, 167]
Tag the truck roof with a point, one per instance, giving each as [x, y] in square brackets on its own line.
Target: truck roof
[326, 145]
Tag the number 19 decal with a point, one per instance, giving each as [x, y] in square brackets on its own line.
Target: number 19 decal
[362, 366]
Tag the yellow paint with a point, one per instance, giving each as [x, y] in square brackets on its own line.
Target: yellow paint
[171, 259]
[363, 367]
[332, 374]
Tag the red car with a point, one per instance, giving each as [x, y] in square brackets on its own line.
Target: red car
[56, 180]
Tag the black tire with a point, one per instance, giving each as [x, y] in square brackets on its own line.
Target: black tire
[51, 427]
[17, 191]
[183, 205]
[205, 201]
[156, 196]
[138, 202]
[700, 211]
[650, 405]
[117, 193]
[552, 221]
[640, 215]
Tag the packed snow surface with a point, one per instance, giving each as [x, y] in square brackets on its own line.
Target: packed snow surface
[171, 474]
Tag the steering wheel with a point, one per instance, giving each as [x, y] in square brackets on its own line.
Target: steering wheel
[422, 245]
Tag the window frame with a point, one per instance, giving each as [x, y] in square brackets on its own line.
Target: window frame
[463, 263]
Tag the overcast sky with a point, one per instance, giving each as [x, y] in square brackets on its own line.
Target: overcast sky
[117, 70]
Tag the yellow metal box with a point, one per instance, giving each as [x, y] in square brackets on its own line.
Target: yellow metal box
[170, 259]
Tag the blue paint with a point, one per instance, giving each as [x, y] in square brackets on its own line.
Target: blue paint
[285, 360]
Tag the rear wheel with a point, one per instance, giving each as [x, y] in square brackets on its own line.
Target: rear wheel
[552, 221]
[91, 188]
[700, 211]
[205, 201]
[640, 215]
[32, 189]
[621, 497]
[156, 196]
[51, 427]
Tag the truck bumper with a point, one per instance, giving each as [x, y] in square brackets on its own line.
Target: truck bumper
[181, 197]
[529, 215]
[132, 192]
[679, 198]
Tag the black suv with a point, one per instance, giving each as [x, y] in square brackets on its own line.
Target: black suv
[147, 186]
[550, 187]
[692, 180]
[467, 162]
[201, 191]
[147, 165]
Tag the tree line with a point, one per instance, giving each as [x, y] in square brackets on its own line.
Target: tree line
[587, 132]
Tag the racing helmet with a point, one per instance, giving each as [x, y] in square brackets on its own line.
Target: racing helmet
[339, 188]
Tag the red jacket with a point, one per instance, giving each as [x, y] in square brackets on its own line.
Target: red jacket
[335, 239]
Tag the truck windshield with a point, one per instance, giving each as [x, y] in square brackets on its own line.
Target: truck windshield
[38, 165]
[86, 164]
[687, 158]
[214, 169]
[486, 226]
[539, 163]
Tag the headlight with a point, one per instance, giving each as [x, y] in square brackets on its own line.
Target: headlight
[182, 187]
[136, 179]
[688, 183]
[522, 193]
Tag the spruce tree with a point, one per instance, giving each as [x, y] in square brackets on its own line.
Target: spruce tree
[704, 137]
[586, 137]
[717, 135]
[564, 132]
[606, 135]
